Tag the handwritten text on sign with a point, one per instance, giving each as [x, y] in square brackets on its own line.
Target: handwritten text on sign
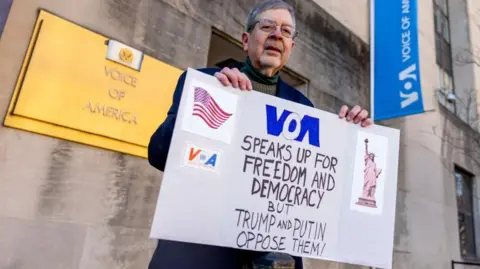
[280, 176]
[286, 178]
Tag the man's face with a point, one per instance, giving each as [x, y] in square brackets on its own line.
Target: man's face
[269, 50]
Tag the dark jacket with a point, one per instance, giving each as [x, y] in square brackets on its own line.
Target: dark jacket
[177, 255]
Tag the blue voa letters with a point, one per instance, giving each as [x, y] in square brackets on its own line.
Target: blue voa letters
[292, 126]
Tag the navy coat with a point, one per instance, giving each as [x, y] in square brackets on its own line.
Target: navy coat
[177, 255]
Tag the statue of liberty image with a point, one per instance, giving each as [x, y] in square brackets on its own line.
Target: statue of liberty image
[370, 176]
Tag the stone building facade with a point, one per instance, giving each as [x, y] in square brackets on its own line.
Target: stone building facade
[68, 205]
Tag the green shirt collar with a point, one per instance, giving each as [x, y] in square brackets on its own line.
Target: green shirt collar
[255, 75]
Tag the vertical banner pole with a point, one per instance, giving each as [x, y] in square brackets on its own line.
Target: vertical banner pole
[372, 59]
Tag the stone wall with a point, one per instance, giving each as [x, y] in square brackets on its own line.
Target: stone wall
[66, 205]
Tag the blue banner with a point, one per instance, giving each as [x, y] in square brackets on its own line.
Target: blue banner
[396, 88]
[4, 10]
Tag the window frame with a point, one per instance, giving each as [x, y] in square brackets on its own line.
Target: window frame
[468, 212]
[443, 47]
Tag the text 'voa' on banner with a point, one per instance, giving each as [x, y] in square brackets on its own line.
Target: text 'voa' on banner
[396, 86]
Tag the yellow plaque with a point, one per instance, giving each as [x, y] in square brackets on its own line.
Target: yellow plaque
[69, 88]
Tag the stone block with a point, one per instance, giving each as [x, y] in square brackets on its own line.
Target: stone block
[422, 260]
[354, 15]
[426, 226]
[111, 188]
[28, 244]
[117, 247]
[401, 235]
[22, 162]
[401, 260]
[417, 178]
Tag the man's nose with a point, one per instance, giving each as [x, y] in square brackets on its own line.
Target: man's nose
[277, 33]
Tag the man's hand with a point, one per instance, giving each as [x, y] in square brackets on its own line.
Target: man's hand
[234, 77]
[357, 114]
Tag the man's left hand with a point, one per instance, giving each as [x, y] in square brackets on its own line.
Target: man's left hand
[356, 114]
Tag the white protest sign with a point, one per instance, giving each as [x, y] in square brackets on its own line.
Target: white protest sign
[255, 172]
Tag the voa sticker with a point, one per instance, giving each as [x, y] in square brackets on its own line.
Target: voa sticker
[201, 157]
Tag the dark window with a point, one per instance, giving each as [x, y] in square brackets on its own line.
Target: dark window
[464, 188]
[443, 5]
[443, 52]
[442, 36]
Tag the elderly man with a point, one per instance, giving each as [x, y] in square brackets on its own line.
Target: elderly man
[268, 41]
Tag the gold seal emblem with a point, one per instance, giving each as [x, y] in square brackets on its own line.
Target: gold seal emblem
[126, 55]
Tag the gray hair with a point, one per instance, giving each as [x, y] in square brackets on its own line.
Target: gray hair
[264, 6]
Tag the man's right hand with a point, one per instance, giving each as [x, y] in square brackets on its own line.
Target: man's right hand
[234, 77]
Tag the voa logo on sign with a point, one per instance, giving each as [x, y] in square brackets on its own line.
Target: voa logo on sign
[202, 158]
[292, 126]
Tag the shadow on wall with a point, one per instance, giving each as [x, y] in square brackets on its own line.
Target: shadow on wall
[4, 10]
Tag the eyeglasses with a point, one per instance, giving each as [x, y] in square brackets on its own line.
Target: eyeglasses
[269, 26]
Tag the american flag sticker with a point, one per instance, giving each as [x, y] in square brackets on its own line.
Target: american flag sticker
[206, 108]
[210, 112]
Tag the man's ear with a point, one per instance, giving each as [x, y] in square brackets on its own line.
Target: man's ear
[293, 44]
[245, 37]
